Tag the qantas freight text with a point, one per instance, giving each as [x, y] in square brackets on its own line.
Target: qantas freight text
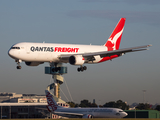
[37, 53]
[45, 49]
[65, 49]
[57, 49]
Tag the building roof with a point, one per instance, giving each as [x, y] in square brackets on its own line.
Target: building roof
[22, 104]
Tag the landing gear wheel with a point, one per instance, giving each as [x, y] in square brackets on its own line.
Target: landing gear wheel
[81, 69]
[78, 69]
[84, 68]
[18, 63]
[18, 67]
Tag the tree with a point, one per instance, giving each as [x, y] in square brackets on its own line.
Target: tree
[110, 104]
[84, 103]
[119, 104]
[122, 105]
[93, 105]
[71, 104]
[157, 107]
[76, 105]
[142, 106]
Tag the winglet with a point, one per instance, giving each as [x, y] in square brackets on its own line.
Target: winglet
[114, 40]
[149, 45]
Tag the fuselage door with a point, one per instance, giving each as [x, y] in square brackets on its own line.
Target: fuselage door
[27, 49]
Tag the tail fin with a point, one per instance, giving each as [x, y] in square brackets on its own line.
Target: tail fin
[52, 104]
[114, 40]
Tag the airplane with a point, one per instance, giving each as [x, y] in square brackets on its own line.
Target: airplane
[82, 112]
[34, 54]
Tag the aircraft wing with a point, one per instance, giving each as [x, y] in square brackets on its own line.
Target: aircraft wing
[90, 56]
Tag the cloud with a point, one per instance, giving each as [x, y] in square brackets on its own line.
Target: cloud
[151, 18]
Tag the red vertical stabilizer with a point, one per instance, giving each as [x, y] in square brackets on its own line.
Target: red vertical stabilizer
[114, 40]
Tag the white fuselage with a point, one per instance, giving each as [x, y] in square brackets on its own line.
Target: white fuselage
[82, 112]
[49, 52]
[94, 112]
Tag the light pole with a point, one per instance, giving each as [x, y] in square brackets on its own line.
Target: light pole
[144, 91]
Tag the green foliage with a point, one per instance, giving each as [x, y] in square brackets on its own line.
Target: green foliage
[119, 104]
[142, 106]
[158, 108]
[84, 103]
[71, 104]
[110, 104]
[93, 105]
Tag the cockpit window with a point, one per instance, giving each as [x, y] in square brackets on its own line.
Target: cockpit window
[120, 111]
[15, 48]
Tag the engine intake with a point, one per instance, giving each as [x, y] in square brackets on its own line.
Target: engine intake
[76, 60]
[87, 116]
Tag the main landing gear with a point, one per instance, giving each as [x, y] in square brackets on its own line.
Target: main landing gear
[82, 68]
[18, 63]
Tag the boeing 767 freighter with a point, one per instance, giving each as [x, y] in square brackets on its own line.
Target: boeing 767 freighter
[82, 112]
[34, 54]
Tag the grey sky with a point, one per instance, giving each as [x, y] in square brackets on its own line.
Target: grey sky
[84, 22]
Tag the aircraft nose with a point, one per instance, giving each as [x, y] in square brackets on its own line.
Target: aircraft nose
[124, 114]
[11, 53]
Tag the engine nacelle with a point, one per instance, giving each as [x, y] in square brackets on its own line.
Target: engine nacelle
[87, 116]
[33, 63]
[76, 60]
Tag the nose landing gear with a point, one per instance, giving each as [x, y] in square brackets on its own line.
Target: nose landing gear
[18, 63]
[82, 68]
[18, 67]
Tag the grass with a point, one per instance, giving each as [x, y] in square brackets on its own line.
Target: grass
[95, 119]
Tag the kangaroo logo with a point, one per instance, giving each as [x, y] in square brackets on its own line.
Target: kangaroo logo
[112, 41]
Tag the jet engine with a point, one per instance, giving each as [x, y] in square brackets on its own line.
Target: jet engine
[33, 63]
[87, 116]
[76, 60]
